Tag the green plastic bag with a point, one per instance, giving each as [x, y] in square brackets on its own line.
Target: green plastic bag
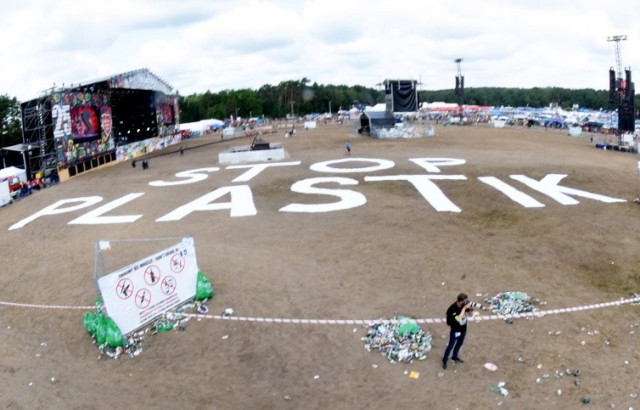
[101, 329]
[164, 325]
[90, 322]
[113, 336]
[204, 290]
[407, 326]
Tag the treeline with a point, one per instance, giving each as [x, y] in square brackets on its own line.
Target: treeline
[300, 97]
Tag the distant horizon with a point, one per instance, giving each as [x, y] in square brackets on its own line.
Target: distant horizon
[200, 46]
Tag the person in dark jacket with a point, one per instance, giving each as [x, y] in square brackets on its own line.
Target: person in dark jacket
[457, 322]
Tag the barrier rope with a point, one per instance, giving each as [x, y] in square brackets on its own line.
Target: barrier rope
[537, 313]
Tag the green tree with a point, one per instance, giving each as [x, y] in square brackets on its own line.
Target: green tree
[11, 126]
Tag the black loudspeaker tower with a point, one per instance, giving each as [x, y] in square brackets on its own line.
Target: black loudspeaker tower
[629, 84]
[612, 86]
[402, 95]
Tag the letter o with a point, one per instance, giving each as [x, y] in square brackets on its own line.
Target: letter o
[326, 166]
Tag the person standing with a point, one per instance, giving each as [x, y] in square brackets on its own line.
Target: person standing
[347, 145]
[457, 322]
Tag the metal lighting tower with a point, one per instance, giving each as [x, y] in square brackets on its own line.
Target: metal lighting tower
[459, 86]
[617, 40]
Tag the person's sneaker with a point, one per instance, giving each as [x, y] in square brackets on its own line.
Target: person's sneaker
[458, 360]
[444, 364]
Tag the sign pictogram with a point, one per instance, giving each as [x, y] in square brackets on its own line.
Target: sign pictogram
[143, 298]
[124, 288]
[152, 275]
[168, 285]
[178, 262]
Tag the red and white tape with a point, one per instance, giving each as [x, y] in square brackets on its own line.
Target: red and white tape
[537, 313]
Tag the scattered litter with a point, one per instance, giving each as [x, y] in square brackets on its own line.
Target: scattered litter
[112, 343]
[202, 308]
[316, 377]
[399, 340]
[499, 389]
[539, 366]
[559, 392]
[227, 312]
[520, 360]
[287, 397]
[490, 366]
[585, 399]
[633, 395]
[53, 380]
[440, 374]
[30, 383]
[414, 375]
[225, 337]
[509, 303]
[375, 366]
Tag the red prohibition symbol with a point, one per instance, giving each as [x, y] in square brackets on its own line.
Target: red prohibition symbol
[143, 298]
[124, 288]
[152, 275]
[178, 262]
[168, 285]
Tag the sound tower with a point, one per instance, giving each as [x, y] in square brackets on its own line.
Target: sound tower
[612, 86]
[401, 95]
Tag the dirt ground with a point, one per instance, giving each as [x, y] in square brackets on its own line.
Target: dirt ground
[394, 255]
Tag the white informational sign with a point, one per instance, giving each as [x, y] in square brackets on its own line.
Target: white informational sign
[309, 124]
[136, 294]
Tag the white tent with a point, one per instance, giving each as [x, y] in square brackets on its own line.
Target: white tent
[13, 172]
[5, 195]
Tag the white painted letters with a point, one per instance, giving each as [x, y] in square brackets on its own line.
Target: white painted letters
[349, 199]
[57, 208]
[325, 166]
[431, 164]
[95, 217]
[426, 188]
[549, 186]
[194, 175]
[255, 169]
[241, 203]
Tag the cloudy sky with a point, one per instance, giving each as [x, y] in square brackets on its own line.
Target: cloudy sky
[200, 45]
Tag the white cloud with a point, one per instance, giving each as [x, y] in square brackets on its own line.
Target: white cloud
[199, 45]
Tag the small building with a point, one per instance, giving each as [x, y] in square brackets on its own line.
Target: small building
[372, 120]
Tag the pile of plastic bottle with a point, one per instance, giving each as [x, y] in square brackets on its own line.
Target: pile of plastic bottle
[399, 339]
[509, 303]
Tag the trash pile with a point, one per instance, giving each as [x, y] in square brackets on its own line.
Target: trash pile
[509, 303]
[405, 132]
[112, 343]
[399, 340]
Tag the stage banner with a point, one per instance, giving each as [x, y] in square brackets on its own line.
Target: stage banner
[138, 293]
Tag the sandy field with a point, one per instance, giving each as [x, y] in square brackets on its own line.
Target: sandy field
[396, 254]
